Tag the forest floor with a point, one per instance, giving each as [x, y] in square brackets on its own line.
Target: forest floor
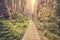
[32, 32]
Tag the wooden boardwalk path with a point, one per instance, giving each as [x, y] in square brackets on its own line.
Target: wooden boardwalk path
[31, 32]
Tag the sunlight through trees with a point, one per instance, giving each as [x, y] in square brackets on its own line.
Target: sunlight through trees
[14, 16]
